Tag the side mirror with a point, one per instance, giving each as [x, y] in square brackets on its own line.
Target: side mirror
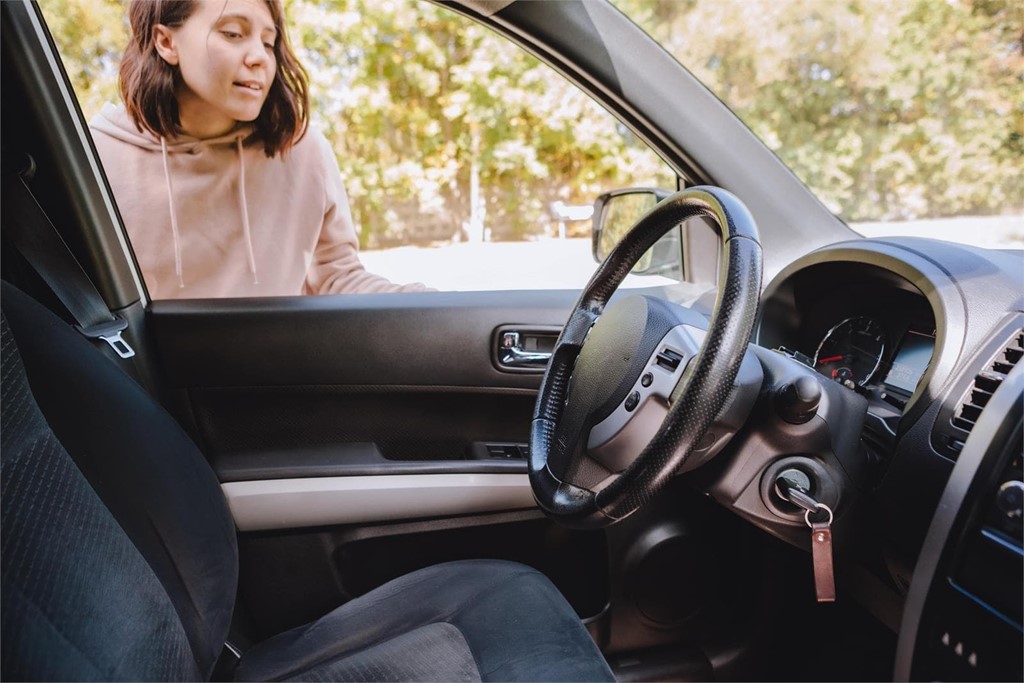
[616, 212]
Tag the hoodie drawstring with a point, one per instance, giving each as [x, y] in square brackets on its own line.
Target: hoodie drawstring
[244, 209]
[174, 215]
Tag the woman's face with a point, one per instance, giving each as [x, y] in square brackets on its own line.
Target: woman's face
[225, 51]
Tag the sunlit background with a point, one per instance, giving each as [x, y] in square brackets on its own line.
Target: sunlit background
[904, 117]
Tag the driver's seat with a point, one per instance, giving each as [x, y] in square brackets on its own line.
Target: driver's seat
[119, 556]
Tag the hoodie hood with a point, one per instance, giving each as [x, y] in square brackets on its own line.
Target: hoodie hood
[115, 122]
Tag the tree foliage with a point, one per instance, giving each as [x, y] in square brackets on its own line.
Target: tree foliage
[886, 109]
[91, 36]
[419, 100]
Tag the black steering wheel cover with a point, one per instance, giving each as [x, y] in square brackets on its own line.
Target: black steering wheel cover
[705, 386]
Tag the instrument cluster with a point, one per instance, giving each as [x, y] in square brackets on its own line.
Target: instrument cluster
[861, 326]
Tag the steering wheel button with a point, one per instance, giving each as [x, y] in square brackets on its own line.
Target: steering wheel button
[646, 380]
[632, 401]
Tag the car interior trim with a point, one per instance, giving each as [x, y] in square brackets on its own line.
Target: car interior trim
[91, 200]
[296, 503]
[933, 282]
[206, 342]
[988, 434]
[488, 7]
[356, 460]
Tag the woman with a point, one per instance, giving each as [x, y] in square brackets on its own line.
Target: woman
[224, 188]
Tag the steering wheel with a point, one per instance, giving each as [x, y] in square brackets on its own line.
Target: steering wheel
[641, 366]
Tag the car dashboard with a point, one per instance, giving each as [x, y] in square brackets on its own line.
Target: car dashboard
[859, 325]
[930, 334]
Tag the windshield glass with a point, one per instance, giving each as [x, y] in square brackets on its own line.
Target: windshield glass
[904, 117]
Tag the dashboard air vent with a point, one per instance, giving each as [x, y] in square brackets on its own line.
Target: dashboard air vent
[986, 382]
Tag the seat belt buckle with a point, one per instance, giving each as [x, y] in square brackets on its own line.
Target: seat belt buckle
[110, 332]
[227, 662]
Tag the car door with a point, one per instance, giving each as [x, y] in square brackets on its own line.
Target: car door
[358, 437]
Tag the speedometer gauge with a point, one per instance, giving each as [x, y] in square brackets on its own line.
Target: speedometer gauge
[851, 352]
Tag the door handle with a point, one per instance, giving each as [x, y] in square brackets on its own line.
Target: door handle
[524, 350]
[513, 355]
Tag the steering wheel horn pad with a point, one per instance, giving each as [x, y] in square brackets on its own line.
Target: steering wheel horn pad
[601, 353]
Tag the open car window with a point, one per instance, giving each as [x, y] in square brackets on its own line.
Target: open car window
[468, 164]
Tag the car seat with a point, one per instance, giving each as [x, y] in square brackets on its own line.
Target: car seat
[119, 555]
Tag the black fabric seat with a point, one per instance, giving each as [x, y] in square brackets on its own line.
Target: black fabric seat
[119, 557]
[508, 615]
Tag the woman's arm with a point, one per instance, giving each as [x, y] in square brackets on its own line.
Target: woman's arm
[336, 268]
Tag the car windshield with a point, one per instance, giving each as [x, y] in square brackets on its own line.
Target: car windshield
[904, 118]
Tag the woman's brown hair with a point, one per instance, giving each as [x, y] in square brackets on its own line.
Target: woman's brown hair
[148, 83]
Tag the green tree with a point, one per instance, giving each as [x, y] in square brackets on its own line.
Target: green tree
[423, 105]
[888, 110]
[91, 36]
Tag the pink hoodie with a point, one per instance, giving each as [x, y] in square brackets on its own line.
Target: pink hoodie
[214, 218]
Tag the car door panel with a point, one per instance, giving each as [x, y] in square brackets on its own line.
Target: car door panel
[360, 451]
[430, 338]
[357, 385]
[403, 385]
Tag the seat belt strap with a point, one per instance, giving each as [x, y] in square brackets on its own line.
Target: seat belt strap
[38, 241]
